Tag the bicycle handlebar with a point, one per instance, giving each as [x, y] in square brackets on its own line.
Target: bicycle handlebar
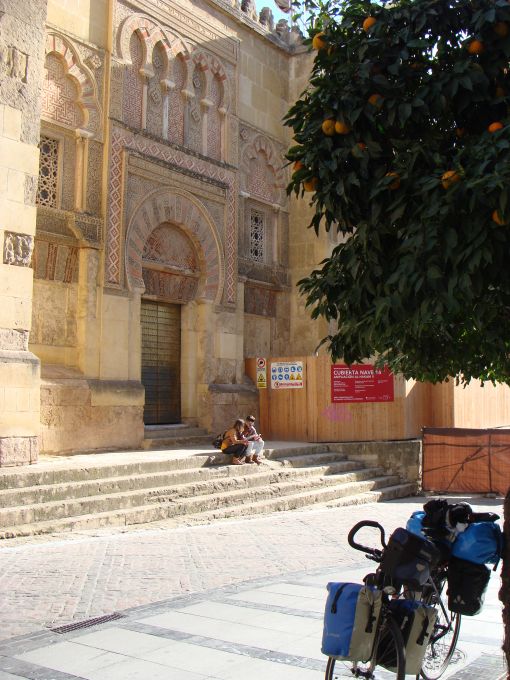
[363, 548]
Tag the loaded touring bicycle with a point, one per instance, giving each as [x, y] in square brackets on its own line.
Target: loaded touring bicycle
[404, 619]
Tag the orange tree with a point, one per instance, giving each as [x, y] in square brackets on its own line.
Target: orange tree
[402, 141]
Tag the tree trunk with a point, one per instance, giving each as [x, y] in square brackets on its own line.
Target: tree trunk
[504, 593]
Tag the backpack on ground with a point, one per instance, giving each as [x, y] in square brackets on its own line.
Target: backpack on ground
[416, 622]
[408, 559]
[218, 441]
[467, 583]
[351, 618]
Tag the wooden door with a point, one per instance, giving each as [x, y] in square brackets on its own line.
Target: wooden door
[161, 362]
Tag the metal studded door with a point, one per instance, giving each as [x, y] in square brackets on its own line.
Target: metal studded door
[161, 362]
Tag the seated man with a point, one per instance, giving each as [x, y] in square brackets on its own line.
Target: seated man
[256, 443]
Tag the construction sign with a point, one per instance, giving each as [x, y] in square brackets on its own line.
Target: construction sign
[261, 373]
[286, 375]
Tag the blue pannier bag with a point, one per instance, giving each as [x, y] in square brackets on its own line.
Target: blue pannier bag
[415, 523]
[350, 621]
[480, 543]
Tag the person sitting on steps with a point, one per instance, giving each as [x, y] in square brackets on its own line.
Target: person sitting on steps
[256, 443]
[235, 444]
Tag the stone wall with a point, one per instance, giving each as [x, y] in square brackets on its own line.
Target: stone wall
[403, 458]
[21, 61]
[79, 415]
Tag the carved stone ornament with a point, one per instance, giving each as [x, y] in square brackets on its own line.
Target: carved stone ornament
[18, 249]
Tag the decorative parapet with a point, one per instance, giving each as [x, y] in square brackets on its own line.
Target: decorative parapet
[245, 11]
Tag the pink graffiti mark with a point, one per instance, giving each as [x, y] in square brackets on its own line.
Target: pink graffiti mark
[338, 413]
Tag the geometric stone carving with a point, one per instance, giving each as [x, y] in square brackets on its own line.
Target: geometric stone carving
[260, 301]
[221, 262]
[169, 246]
[77, 104]
[183, 219]
[18, 249]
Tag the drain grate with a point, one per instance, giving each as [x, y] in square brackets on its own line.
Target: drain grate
[87, 624]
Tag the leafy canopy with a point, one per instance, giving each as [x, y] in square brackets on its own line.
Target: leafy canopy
[411, 170]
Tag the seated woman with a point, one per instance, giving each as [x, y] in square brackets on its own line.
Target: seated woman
[256, 443]
[235, 444]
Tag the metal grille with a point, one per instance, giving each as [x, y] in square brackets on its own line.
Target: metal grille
[47, 188]
[161, 362]
[257, 235]
[87, 624]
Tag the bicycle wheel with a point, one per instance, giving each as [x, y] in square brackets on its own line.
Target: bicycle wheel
[443, 640]
[389, 655]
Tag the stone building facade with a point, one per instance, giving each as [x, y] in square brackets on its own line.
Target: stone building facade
[148, 242]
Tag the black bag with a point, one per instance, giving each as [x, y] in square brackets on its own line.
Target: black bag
[416, 622]
[408, 559]
[218, 441]
[467, 583]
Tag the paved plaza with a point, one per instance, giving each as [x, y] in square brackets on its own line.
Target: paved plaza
[233, 599]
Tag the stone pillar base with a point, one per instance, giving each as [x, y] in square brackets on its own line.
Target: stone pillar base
[18, 450]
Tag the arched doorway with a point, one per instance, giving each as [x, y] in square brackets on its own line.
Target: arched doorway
[171, 273]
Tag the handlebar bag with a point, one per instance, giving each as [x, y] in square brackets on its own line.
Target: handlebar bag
[481, 543]
[350, 621]
[408, 559]
[467, 583]
[416, 622]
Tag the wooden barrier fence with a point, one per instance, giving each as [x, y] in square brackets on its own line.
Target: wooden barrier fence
[466, 460]
[308, 414]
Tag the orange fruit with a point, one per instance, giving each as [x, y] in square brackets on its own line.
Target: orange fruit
[449, 178]
[368, 23]
[496, 217]
[501, 29]
[500, 91]
[328, 127]
[359, 146]
[375, 100]
[494, 127]
[298, 165]
[396, 182]
[475, 47]
[342, 128]
[311, 184]
[318, 42]
[460, 132]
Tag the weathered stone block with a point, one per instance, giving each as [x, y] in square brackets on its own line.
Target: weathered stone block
[18, 450]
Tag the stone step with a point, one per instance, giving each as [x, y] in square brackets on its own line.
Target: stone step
[151, 480]
[383, 493]
[173, 431]
[282, 496]
[248, 484]
[58, 473]
[307, 459]
[292, 451]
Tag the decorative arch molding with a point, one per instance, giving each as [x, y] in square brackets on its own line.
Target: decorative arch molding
[212, 68]
[88, 100]
[189, 214]
[150, 34]
[262, 148]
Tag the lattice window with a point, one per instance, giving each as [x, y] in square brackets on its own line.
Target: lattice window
[47, 189]
[257, 249]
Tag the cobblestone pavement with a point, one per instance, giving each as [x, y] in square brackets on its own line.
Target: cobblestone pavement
[70, 578]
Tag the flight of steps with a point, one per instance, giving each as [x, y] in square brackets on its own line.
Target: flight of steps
[171, 436]
[140, 487]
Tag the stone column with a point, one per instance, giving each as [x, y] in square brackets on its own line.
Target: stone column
[22, 37]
